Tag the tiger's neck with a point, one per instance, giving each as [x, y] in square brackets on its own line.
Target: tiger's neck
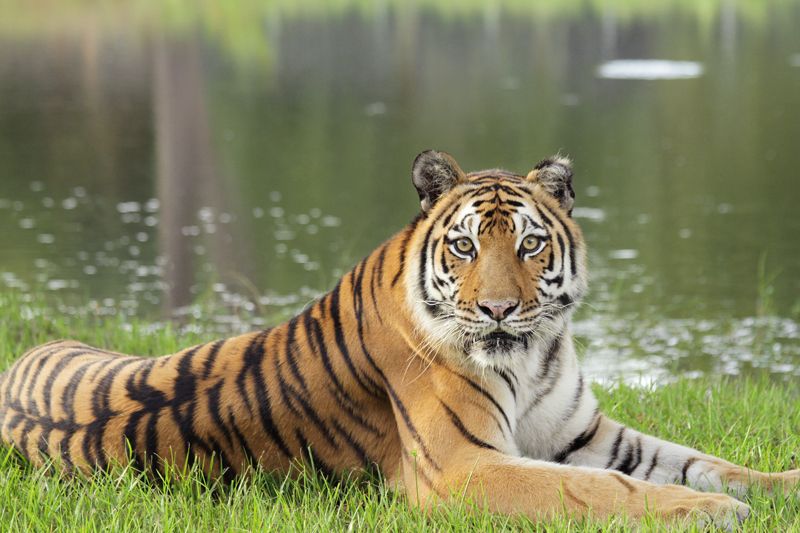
[360, 330]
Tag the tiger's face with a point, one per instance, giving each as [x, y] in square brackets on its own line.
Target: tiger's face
[500, 260]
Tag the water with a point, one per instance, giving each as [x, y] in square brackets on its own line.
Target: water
[228, 165]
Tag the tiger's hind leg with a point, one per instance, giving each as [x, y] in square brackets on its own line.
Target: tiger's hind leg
[610, 445]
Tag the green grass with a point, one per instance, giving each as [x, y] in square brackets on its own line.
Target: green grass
[751, 422]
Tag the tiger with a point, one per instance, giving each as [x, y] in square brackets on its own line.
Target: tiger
[444, 359]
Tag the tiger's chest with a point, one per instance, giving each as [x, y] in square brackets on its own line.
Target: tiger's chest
[551, 408]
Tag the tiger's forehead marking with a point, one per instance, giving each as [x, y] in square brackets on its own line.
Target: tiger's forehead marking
[495, 173]
[493, 201]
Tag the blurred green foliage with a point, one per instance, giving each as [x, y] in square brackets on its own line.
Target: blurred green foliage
[240, 27]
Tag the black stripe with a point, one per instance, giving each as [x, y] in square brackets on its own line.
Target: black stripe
[576, 401]
[359, 450]
[152, 400]
[423, 265]
[68, 394]
[372, 282]
[23, 443]
[248, 453]
[579, 442]
[214, 406]
[403, 248]
[627, 459]
[226, 467]
[30, 383]
[463, 430]
[314, 330]
[130, 440]
[58, 368]
[151, 444]
[364, 381]
[358, 304]
[291, 335]
[449, 211]
[101, 398]
[550, 371]
[615, 447]
[685, 470]
[379, 264]
[185, 394]
[253, 359]
[314, 460]
[141, 391]
[627, 467]
[323, 306]
[351, 412]
[508, 381]
[23, 379]
[571, 242]
[14, 421]
[486, 395]
[411, 428]
[550, 356]
[68, 405]
[284, 390]
[101, 407]
[39, 357]
[652, 466]
[212, 357]
[315, 418]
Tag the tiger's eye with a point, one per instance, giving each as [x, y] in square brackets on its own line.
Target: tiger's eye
[464, 245]
[530, 244]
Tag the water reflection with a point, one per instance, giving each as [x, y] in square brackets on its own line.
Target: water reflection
[226, 167]
[187, 172]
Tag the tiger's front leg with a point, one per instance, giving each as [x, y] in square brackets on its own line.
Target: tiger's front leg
[610, 445]
[455, 447]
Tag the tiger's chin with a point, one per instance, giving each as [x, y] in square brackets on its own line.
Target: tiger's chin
[498, 349]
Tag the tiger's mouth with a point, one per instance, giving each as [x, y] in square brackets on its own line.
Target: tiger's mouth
[499, 341]
[500, 335]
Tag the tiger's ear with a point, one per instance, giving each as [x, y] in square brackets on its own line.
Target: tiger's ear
[554, 176]
[434, 173]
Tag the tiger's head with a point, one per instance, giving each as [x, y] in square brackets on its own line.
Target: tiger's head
[497, 263]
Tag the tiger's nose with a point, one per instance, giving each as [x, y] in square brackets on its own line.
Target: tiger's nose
[498, 309]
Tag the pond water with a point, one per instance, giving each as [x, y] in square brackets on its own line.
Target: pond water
[223, 166]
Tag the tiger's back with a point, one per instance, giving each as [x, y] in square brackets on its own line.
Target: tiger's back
[217, 404]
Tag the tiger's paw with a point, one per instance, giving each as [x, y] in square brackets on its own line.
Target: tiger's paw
[728, 517]
[703, 509]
